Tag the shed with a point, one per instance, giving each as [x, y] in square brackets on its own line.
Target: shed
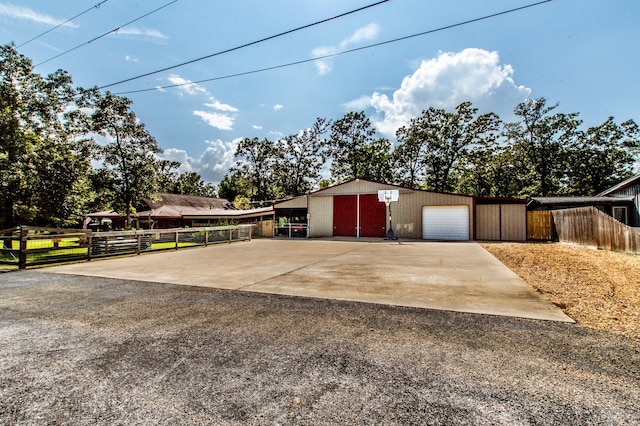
[352, 209]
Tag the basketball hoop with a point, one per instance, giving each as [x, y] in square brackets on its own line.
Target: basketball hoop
[388, 196]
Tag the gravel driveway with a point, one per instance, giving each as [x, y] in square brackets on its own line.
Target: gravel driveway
[86, 350]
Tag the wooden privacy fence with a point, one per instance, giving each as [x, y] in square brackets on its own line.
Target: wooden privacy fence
[540, 226]
[24, 246]
[590, 227]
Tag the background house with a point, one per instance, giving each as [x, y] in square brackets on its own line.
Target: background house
[176, 211]
[629, 188]
[622, 202]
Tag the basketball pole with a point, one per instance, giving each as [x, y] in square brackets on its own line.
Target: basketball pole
[390, 234]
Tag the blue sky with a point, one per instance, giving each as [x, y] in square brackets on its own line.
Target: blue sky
[582, 54]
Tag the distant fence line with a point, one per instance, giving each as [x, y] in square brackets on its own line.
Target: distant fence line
[589, 226]
[33, 246]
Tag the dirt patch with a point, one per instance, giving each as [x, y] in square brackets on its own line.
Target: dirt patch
[598, 289]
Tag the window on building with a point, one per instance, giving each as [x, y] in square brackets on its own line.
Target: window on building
[620, 214]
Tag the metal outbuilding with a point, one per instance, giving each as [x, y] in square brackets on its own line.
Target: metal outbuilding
[352, 209]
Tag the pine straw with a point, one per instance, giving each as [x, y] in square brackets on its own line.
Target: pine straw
[598, 289]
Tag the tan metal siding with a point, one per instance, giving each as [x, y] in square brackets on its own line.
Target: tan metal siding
[355, 187]
[488, 222]
[294, 203]
[407, 212]
[514, 222]
[320, 216]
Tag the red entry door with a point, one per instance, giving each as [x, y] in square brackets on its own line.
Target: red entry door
[373, 220]
[345, 216]
[372, 216]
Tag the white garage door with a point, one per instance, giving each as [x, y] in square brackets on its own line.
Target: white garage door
[445, 223]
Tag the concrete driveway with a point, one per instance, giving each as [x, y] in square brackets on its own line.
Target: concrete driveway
[457, 276]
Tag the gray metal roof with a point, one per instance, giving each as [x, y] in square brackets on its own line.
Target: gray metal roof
[547, 201]
[622, 184]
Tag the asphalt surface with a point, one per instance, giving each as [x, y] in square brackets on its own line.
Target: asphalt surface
[89, 350]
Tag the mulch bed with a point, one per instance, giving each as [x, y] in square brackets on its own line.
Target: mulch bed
[597, 288]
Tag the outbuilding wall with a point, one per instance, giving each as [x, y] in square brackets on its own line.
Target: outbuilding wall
[501, 222]
[320, 216]
[406, 213]
[499, 219]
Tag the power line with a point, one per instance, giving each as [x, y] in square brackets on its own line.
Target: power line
[344, 52]
[97, 6]
[244, 45]
[106, 34]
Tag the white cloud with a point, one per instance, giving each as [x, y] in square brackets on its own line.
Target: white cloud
[359, 104]
[446, 81]
[278, 107]
[20, 12]
[256, 127]
[130, 59]
[212, 164]
[217, 120]
[366, 33]
[215, 104]
[187, 86]
[144, 32]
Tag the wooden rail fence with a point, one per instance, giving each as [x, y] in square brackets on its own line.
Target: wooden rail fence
[24, 246]
[589, 226]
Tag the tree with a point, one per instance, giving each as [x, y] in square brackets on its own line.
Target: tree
[299, 159]
[601, 157]
[377, 161]
[256, 161]
[43, 162]
[447, 138]
[407, 156]
[349, 135]
[129, 154]
[541, 139]
[191, 183]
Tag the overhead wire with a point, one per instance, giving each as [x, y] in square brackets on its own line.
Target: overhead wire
[344, 52]
[97, 6]
[106, 34]
[245, 45]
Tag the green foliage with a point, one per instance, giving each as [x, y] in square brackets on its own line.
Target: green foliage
[256, 164]
[241, 202]
[601, 157]
[42, 158]
[349, 137]
[299, 159]
[129, 155]
[541, 140]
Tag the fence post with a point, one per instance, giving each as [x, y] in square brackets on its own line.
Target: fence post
[206, 237]
[230, 234]
[22, 261]
[177, 239]
[250, 230]
[90, 242]
[138, 240]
